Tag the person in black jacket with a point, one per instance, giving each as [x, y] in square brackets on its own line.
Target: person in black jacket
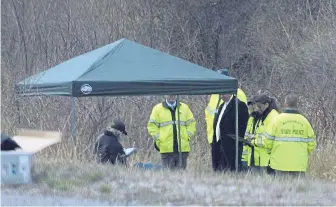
[8, 144]
[224, 140]
[108, 148]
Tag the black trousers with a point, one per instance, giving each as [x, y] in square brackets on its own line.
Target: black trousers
[172, 160]
[223, 157]
[215, 156]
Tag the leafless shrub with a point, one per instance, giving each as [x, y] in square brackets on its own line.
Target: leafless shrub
[275, 46]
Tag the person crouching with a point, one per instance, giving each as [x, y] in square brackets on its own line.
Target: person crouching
[108, 148]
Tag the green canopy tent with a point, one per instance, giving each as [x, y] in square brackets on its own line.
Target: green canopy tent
[126, 68]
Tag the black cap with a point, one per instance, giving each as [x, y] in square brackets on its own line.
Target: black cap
[119, 125]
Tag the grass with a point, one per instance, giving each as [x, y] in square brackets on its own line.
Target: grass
[104, 188]
[60, 184]
[323, 162]
[198, 185]
[131, 186]
[95, 177]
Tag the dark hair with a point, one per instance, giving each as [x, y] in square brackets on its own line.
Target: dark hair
[272, 104]
[263, 99]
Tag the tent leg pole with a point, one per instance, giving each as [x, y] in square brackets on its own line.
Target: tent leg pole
[18, 110]
[237, 146]
[179, 131]
[73, 119]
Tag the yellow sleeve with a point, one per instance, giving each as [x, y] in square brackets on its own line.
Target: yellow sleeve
[208, 122]
[241, 95]
[153, 125]
[269, 135]
[190, 123]
[312, 138]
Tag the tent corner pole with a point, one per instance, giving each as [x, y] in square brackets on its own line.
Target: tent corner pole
[17, 102]
[73, 119]
[237, 145]
[179, 130]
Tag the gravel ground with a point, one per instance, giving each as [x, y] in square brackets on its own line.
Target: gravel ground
[13, 199]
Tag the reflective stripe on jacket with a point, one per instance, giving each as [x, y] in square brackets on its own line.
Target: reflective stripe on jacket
[261, 154]
[212, 109]
[163, 127]
[290, 140]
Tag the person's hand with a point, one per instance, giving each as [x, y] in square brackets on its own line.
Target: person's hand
[157, 144]
[250, 142]
[250, 137]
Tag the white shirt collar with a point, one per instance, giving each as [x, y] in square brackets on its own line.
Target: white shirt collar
[220, 118]
[171, 105]
[229, 100]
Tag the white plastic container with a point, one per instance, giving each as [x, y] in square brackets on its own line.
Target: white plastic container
[16, 166]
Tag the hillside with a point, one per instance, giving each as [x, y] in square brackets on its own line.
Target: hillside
[274, 47]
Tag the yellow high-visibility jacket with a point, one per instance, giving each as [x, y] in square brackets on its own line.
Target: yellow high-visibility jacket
[249, 132]
[163, 127]
[212, 109]
[261, 155]
[241, 95]
[290, 139]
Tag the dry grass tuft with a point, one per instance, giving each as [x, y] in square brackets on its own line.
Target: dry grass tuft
[104, 188]
[323, 162]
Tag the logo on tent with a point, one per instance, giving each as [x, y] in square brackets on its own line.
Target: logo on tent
[86, 89]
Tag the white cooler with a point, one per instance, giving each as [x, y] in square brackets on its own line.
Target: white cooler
[16, 166]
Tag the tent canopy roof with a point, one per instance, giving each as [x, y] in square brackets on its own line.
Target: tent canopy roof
[125, 67]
